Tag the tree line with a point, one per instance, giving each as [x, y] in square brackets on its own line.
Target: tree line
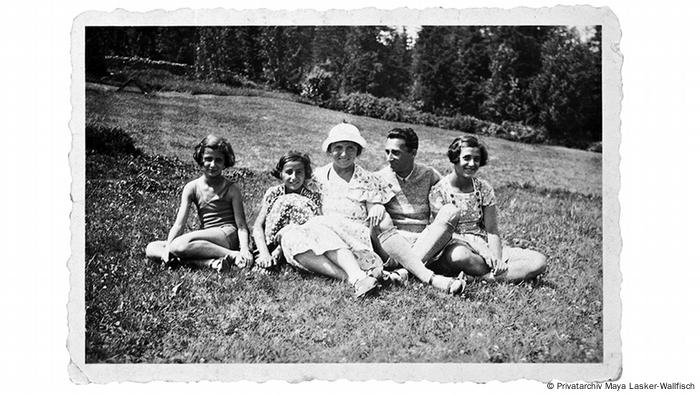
[546, 77]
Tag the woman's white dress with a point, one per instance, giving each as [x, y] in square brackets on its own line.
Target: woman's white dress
[343, 223]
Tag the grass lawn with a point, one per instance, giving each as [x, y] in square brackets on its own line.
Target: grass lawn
[549, 199]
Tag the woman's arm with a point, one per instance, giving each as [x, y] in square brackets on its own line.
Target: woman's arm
[182, 213]
[241, 224]
[264, 258]
[494, 239]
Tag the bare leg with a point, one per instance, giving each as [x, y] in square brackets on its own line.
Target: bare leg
[155, 249]
[202, 244]
[523, 264]
[320, 265]
[436, 236]
[347, 262]
[458, 258]
[400, 250]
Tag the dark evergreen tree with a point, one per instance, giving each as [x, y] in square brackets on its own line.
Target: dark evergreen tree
[95, 38]
[394, 80]
[567, 91]
[434, 66]
[515, 58]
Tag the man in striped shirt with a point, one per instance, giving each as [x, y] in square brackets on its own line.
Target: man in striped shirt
[410, 209]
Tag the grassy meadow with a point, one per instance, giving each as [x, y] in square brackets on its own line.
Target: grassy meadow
[137, 311]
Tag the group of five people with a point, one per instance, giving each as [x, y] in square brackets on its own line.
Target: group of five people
[345, 222]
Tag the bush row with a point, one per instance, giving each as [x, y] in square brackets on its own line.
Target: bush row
[364, 104]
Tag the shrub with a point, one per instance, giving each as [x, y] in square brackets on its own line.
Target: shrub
[235, 80]
[365, 104]
[516, 131]
[109, 141]
[319, 85]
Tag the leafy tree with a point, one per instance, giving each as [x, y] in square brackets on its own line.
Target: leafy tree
[363, 66]
[395, 56]
[287, 54]
[328, 48]
[434, 67]
[515, 59]
[567, 91]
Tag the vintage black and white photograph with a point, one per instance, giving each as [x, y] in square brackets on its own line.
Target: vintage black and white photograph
[348, 194]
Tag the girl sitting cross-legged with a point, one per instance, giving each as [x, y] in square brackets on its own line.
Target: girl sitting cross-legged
[222, 239]
[475, 248]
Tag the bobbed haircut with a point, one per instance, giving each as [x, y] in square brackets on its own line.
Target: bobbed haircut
[455, 149]
[217, 144]
[407, 134]
[359, 148]
[289, 157]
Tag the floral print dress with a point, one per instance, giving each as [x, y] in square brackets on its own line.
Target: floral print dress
[470, 228]
[343, 223]
[282, 208]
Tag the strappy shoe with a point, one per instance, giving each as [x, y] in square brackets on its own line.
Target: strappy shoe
[398, 277]
[376, 272]
[223, 264]
[364, 286]
[454, 286]
[173, 261]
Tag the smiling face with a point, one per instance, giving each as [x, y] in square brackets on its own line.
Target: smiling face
[213, 162]
[343, 154]
[469, 160]
[293, 175]
[398, 156]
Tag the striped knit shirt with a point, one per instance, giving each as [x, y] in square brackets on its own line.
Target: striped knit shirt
[410, 210]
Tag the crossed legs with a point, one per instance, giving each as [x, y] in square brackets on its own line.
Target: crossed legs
[197, 247]
[523, 264]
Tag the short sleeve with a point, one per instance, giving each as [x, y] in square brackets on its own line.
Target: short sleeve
[436, 198]
[368, 187]
[488, 195]
[313, 183]
[434, 176]
[269, 197]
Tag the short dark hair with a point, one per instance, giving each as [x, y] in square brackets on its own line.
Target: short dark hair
[290, 157]
[359, 148]
[455, 149]
[407, 134]
[215, 143]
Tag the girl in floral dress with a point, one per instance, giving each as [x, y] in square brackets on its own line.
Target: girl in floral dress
[476, 248]
[290, 202]
[285, 210]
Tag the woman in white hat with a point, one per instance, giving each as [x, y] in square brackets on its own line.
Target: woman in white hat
[353, 203]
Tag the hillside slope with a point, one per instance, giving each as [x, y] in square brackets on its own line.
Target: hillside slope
[262, 128]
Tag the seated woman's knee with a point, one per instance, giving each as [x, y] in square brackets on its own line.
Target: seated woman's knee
[178, 246]
[155, 249]
[539, 262]
[470, 262]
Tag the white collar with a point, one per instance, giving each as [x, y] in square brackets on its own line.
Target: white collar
[403, 179]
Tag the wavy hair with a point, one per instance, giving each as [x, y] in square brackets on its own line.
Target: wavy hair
[215, 143]
[455, 149]
[289, 157]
